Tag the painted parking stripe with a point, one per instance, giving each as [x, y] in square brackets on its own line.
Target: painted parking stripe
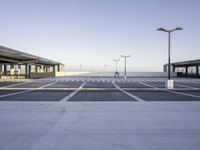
[190, 87]
[73, 93]
[21, 92]
[148, 85]
[125, 89]
[175, 92]
[16, 93]
[14, 85]
[181, 93]
[127, 93]
[47, 85]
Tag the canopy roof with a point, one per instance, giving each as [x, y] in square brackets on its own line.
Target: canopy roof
[8, 55]
[187, 63]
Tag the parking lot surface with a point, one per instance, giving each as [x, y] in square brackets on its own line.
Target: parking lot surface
[100, 89]
[100, 114]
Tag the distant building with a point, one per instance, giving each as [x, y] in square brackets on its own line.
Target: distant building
[189, 68]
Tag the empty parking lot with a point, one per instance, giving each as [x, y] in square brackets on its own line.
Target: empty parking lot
[99, 89]
[100, 113]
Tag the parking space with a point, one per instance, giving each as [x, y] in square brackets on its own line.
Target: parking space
[3, 84]
[113, 95]
[160, 95]
[99, 85]
[65, 85]
[41, 95]
[131, 85]
[6, 92]
[162, 84]
[95, 89]
[194, 85]
[191, 92]
[30, 85]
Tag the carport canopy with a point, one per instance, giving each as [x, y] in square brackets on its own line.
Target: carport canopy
[8, 55]
[187, 63]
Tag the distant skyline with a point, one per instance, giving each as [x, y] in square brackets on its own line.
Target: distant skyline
[92, 33]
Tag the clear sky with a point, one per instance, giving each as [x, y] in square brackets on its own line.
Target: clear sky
[94, 32]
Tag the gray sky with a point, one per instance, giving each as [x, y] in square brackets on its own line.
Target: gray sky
[94, 32]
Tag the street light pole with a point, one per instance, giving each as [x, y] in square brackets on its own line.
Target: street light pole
[169, 55]
[105, 67]
[125, 57]
[169, 49]
[116, 71]
[81, 67]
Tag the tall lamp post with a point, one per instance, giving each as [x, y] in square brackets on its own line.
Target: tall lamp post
[116, 71]
[169, 84]
[81, 67]
[105, 66]
[125, 57]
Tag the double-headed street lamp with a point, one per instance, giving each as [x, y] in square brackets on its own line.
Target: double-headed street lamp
[116, 71]
[125, 57]
[169, 46]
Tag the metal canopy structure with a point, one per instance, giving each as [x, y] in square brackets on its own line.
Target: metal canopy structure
[8, 55]
[190, 68]
[18, 64]
[187, 63]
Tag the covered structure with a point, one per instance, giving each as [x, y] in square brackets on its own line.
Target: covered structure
[189, 68]
[18, 64]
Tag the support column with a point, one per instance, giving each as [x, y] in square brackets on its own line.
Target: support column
[19, 69]
[43, 68]
[26, 70]
[186, 70]
[36, 69]
[173, 68]
[58, 68]
[1, 71]
[197, 70]
[12, 69]
[29, 69]
[54, 68]
[5, 69]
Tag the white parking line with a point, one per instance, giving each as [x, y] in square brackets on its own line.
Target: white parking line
[180, 93]
[148, 85]
[14, 85]
[16, 93]
[175, 92]
[72, 94]
[190, 87]
[127, 93]
[47, 85]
